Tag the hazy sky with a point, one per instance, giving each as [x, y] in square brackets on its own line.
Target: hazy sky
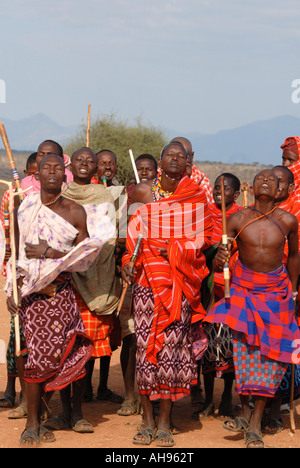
[193, 65]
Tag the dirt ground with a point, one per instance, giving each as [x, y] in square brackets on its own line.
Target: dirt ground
[113, 431]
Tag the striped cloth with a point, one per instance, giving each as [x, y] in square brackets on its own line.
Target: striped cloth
[164, 226]
[201, 179]
[98, 328]
[255, 374]
[261, 306]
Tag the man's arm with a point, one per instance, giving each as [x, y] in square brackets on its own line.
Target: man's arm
[43, 250]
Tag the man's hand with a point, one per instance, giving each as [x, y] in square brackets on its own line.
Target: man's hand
[12, 307]
[36, 250]
[128, 274]
[222, 257]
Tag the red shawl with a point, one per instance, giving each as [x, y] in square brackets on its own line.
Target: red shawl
[216, 218]
[182, 223]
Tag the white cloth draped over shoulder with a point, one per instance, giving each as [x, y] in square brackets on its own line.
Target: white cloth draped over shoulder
[37, 221]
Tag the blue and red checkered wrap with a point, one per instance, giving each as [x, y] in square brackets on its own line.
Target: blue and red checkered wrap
[261, 306]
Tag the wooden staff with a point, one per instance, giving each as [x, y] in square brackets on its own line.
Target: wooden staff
[131, 265]
[11, 160]
[104, 180]
[226, 271]
[292, 403]
[88, 127]
[245, 191]
[134, 167]
[6, 224]
[10, 241]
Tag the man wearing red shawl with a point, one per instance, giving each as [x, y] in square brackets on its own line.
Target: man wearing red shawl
[260, 311]
[175, 222]
[217, 360]
[193, 171]
[290, 159]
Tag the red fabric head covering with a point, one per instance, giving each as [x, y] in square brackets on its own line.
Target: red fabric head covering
[292, 144]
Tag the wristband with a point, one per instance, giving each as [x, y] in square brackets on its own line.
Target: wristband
[44, 254]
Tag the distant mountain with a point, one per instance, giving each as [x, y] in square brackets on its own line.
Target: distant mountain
[256, 142]
[26, 134]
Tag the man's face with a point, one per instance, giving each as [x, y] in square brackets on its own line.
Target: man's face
[84, 166]
[289, 158]
[146, 169]
[174, 159]
[230, 194]
[284, 186]
[52, 173]
[44, 149]
[266, 183]
[106, 166]
[32, 169]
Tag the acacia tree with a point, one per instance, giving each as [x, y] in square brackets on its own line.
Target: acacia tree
[117, 135]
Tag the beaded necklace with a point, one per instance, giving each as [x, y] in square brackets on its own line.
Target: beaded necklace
[53, 200]
[158, 192]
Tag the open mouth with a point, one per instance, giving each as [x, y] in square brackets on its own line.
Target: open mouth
[107, 173]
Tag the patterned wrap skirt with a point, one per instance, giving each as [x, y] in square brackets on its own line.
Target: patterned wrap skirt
[255, 374]
[57, 345]
[176, 368]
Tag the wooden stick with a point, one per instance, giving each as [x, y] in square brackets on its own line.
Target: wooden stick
[131, 265]
[134, 167]
[292, 403]
[6, 224]
[104, 180]
[12, 243]
[226, 271]
[11, 160]
[245, 191]
[88, 127]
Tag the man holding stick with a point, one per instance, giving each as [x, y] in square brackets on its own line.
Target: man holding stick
[260, 310]
[166, 293]
[51, 240]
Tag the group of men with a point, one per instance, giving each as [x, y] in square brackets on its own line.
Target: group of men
[75, 252]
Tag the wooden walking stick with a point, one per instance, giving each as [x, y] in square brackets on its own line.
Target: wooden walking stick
[88, 127]
[245, 191]
[11, 160]
[131, 265]
[226, 271]
[10, 242]
[292, 394]
[6, 224]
